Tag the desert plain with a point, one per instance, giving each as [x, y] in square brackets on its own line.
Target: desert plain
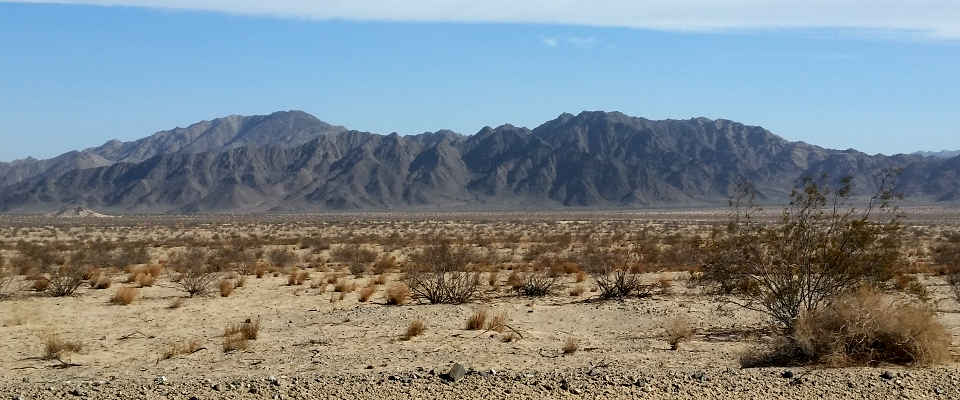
[323, 296]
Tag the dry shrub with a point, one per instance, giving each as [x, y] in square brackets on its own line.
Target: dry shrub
[234, 342]
[861, 329]
[102, 282]
[614, 271]
[56, 348]
[7, 278]
[537, 284]
[144, 279]
[515, 280]
[440, 274]
[241, 281]
[379, 280]
[570, 346]
[665, 285]
[297, 277]
[493, 278]
[477, 320]
[344, 287]
[196, 273]
[581, 276]
[91, 274]
[366, 293]
[180, 348]
[226, 287]
[385, 264]
[398, 294]
[124, 296]
[678, 330]
[260, 270]
[821, 248]
[577, 291]
[237, 336]
[65, 280]
[415, 328]
[155, 270]
[498, 323]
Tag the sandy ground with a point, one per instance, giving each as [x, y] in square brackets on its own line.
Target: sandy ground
[313, 345]
[315, 348]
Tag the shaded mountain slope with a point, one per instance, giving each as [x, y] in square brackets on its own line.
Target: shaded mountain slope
[294, 162]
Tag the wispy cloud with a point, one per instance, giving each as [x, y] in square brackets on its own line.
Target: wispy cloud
[583, 42]
[930, 18]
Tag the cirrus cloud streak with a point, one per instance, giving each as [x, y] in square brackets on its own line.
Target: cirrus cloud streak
[930, 18]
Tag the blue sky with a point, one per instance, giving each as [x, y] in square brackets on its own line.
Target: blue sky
[75, 76]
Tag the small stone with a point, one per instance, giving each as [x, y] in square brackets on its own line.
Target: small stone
[574, 391]
[369, 367]
[254, 390]
[218, 387]
[887, 375]
[160, 380]
[18, 398]
[787, 374]
[457, 372]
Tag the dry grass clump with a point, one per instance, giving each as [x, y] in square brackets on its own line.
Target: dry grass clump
[226, 287]
[41, 284]
[398, 294]
[665, 285]
[366, 293]
[144, 279]
[415, 328]
[581, 276]
[570, 346]
[237, 336]
[861, 329]
[385, 264]
[344, 287]
[181, 348]
[379, 280]
[678, 330]
[493, 278]
[577, 291]
[56, 348]
[477, 321]
[297, 278]
[124, 296]
[498, 323]
[102, 282]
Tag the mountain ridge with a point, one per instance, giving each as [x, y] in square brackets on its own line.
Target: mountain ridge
[292, 161]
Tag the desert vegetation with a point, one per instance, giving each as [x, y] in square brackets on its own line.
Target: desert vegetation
[832, 280]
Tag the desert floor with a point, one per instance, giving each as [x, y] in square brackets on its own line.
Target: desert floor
[315, 342]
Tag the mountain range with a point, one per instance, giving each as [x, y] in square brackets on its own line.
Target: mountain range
[293, 162]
